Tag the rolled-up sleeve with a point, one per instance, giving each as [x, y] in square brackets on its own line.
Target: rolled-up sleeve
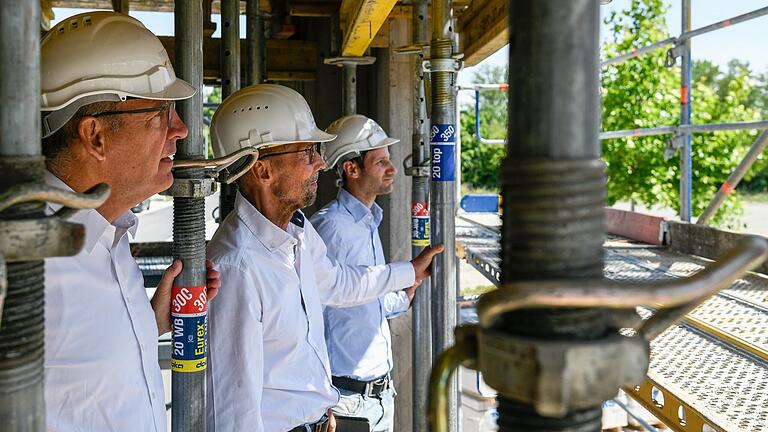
[235, 327]
[395, 304]
[341, 285]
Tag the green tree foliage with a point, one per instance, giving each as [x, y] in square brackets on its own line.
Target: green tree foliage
[642, 93]
[480, 162]
[212, 95]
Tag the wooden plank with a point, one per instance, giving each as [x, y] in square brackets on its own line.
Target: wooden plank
[705, 241]
[287, 60]
[314, 9]
[636, 226]
[483, 29]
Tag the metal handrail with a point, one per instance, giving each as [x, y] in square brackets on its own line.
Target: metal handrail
[669, 130]
[672, 41]
[477, 88]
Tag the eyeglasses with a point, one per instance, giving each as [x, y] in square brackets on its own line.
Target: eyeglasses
[169, 107]
[311, 152]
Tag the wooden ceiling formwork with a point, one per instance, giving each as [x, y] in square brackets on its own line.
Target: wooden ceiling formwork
[481, 24]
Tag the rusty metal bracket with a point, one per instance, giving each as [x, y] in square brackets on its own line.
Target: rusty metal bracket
[36, 239]
[225, 169]
[39, 192]
[39, 238]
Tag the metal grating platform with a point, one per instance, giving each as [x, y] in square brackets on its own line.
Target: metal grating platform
[712, 369]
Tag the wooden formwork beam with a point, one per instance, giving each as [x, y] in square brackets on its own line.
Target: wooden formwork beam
[287, 60]
[483, 29]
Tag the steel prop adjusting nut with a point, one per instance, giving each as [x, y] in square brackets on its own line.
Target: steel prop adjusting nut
[561, 376]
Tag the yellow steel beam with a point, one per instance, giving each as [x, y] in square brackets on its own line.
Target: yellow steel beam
[671, 410]
[363, 20]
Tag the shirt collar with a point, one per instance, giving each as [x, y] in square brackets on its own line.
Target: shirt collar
[94, 222]
[269, 234]
[358, 210]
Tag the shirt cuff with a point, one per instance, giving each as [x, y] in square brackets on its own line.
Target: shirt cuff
[404, 274]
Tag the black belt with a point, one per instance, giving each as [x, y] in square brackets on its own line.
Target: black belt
[365, 388]
[319, 426]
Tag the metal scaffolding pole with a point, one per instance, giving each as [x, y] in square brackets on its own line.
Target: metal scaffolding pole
[230, 80]
[350, 89]
[22, 325]
[254, 33]
[422, 302]
[442, 143]
[733, 180]
[188, 377]
[553, 188]
[686, 169]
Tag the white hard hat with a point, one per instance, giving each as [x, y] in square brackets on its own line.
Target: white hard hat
[103, 56]
[263, 115]
[356, 134]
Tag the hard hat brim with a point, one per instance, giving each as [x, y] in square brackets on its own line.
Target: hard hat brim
[386, 142]
[177, 90]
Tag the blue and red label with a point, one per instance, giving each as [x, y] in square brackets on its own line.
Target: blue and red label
[442, 147]
[189, 320]
[419, 223]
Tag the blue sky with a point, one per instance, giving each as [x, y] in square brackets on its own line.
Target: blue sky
[746, 41]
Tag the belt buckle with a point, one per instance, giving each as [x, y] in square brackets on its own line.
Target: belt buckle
[381, 383]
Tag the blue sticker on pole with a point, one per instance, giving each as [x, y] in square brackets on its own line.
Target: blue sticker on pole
[442, 146]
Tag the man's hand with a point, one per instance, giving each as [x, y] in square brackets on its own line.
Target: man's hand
[331, 421]
[421, 264]
[161, 301]
[411, 293]
[213, 280]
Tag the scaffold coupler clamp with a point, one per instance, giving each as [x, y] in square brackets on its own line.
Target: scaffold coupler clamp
[560, 376]
[453, 64]
[43, 237]
[673, 145]
[415, 171]
[673, 53]
[225, 169]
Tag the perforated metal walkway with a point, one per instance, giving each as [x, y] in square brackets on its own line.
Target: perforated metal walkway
[710, 372]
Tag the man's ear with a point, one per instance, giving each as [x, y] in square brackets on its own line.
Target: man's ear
[351, 169]
[262, 171]
[90, 133]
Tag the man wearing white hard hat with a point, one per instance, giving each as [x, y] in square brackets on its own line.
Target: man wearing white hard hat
[268, 362]
[358, 337]
[108, 92]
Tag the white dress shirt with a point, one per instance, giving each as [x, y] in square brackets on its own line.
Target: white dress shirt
[358, 337]
[268, 364]
[101, 370]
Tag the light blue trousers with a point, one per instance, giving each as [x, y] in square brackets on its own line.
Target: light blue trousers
[379, 410]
